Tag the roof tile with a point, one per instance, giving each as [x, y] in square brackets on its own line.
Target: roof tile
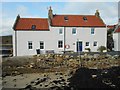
[77, 20]
[26, 24]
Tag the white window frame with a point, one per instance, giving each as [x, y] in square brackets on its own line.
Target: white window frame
[60, 45]
[30, 44]
[92, 31]
[60, 31]
[41, 45]
[86, 44]
[73, 31]
[94, 43]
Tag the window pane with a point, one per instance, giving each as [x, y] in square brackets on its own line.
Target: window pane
[92, 30]
[95, 44]
[41, 45]
[60, 44]
[60, 31]
[87, 43]
[33, 26]
[74, 31]
[29, 44]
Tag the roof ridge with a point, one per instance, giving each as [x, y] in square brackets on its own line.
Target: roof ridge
[71, 15]
[33, 18]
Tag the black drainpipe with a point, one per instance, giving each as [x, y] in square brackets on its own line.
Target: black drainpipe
[15, 43]
[64, 39]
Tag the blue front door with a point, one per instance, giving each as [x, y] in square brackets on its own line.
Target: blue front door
[79, 46]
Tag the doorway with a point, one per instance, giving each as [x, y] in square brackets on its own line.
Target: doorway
[79, 46]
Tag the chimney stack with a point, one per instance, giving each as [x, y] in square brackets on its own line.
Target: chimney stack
[50, 15]
[97, 14]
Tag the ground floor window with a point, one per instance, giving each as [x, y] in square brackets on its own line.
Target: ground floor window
[95, 43]
[87, 43]
[60, 44]
[41, 44]
[30, 45]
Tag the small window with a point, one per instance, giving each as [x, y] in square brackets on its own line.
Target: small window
[60, 31]
[66, 18]
[33, 27]
[95, 43]
[74, 31]
[87, 43]
[92, 31]
[41, 45]
[60, 44]
[30, 45]
[85, 18]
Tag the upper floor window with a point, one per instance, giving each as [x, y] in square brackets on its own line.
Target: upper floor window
[41, 45]
[60, 44]
[66, 18]
[60, 31]
[95, 43]
[92, 31]
[87, 43]
[33, 27]
[74, 31]
[85, 18]
[30, 45]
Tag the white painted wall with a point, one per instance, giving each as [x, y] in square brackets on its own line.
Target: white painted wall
[84, 34]
[51, 38]
[116, 38]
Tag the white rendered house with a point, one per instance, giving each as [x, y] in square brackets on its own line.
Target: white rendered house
[116, 38]
[58, 33]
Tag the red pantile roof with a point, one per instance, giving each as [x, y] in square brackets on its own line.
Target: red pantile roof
[77, 20]
[58, 20]
[111, 26]
[26, 24]
[117, 30]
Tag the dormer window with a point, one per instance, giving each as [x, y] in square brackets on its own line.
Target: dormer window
[85, 18]
[33, 27]
[66, 18]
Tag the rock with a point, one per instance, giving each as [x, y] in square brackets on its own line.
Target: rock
[40, 81]
[14, 80]
[59, 59]
[94, 76]
[14, 85]
[71, 56]
[67, 56]
[115, 57]
[28, 87]
[46, 85]
[63, 80]
[107, 81]
[90, 57]
[40, 84]
[32, 82]
[61, 55]
[96, 56]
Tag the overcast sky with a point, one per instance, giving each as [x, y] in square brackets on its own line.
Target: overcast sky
[108, 11]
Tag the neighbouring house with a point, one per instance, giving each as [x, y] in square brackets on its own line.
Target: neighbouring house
[58, 34]
[6, 46]
[110, 42]
[116, 38]
[111, 26]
